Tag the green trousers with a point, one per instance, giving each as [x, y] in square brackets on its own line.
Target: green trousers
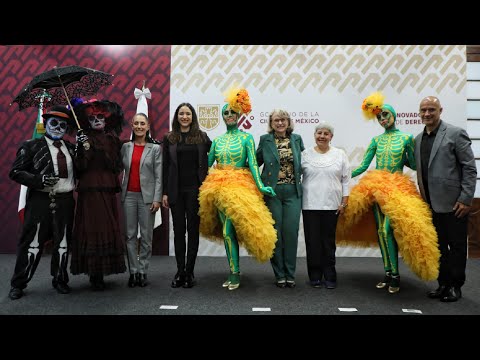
[286, 208]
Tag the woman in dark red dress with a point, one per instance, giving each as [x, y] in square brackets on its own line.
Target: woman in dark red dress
[98, 247]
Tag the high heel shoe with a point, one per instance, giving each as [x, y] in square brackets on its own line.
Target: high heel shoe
[234, 281]
[178, 280]
[394, 284]
[386, 281]
[132, 281]
[142, 280]
[189, 281]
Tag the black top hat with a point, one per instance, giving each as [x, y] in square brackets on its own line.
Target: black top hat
[59, 111]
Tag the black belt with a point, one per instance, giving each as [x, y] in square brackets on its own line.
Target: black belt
[61, 195]
[51, 195]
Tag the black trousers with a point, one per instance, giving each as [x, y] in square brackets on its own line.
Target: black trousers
[452, 240]
[185, 219]
[43, 223]
[320, 228]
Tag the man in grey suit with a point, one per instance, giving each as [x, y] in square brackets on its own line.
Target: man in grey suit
[447, 176]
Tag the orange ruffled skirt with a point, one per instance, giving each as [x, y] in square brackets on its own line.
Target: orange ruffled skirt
[410, 217]
[233, 192]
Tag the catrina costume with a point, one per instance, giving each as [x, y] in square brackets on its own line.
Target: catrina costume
[98, 247]
[232, 209]
[385, 205]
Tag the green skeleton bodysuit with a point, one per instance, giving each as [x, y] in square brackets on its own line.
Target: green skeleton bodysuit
[233, 149]
[393, 150]
[231, 198]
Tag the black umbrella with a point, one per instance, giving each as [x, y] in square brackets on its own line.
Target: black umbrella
[61, 84]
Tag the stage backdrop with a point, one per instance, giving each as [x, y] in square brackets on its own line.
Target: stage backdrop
[130, 65]
[316, 83]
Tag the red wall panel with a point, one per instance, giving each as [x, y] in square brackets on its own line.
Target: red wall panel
[131, 64]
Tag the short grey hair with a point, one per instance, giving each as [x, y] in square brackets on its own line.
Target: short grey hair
[325, 125]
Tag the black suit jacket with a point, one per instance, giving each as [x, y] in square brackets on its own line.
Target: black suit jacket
[33, 161]
[170, 166]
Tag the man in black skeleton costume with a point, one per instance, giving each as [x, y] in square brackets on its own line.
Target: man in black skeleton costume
[45, 166]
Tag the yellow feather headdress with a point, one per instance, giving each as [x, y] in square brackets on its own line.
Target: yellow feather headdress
[372, 105]
[238, 99]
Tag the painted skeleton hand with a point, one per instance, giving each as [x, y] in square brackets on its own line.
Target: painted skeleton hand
[49, 180]
[81, 137]
[82, 141]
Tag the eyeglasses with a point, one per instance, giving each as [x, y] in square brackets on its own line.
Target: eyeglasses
[62, 123]
[229, 112]
[280, 120]
[96, 117]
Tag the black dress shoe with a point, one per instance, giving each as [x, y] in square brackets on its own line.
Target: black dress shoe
[451, 294]
[178, 281]
[15, 293]
[62, 288]
[143, 280]
[132, 281]
[189, 282]
[438, 293]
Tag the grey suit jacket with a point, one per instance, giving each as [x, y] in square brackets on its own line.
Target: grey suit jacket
[150, 171]
[452, 173]
[267, 154]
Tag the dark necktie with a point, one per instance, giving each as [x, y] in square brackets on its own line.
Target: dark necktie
[61, 161]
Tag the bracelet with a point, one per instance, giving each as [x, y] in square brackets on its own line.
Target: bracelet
[344, 205]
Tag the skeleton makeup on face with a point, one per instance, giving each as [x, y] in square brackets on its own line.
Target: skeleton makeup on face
[229, 116]
[385, 118]
[97, 121]
[56, 128]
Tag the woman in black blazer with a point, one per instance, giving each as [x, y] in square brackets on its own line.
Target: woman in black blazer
[185, 166]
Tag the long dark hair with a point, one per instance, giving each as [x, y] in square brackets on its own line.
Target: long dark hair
[195, 135]
[148, 138]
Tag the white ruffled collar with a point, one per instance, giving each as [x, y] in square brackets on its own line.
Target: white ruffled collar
[317, 159]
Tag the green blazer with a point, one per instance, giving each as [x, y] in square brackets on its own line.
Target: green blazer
[267, 154]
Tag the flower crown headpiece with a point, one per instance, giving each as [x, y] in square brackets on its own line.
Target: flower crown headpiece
[372, 105]
[238, 99]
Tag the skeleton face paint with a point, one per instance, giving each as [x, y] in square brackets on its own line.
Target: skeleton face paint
[56, 128]
[385, 118]
[97, 121]
[229, 116]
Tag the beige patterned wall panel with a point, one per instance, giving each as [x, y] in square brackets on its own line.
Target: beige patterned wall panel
[315, 67]
[321, 75]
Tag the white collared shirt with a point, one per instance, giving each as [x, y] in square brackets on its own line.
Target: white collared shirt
[63, 185]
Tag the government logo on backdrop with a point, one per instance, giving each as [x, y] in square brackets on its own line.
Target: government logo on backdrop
[208, 116]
